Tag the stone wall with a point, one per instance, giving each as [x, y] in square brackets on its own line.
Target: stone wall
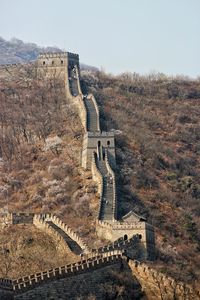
[68, 231]
[160, 287]
[6, 289]
[91, 276]
[97, 177]
[110, 170]
[80, 286]
[130, 248]
[45, 284]
[80, 108]
[73, 60]
[42, 225]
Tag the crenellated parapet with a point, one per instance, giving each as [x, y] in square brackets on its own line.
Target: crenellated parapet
[5, 284]
[67, 230]
[84, 266]
[9, 66]
[124, 245]
[52, 65]
[59, 239]
[159, 286]
[52, 55]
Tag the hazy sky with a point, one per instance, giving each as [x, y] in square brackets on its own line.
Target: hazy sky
[117, 35]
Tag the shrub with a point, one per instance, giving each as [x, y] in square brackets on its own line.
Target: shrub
[191, 228]
[144, 179]
[171, 176]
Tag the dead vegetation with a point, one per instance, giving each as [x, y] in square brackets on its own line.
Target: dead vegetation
[26, 250]
[156, 120]
[40, 148]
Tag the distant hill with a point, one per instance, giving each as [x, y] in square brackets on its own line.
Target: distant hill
[16, 51]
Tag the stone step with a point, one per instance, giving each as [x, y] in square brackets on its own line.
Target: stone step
[92, 117]
[108, 192]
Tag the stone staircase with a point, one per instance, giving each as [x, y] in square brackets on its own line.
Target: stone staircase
[106, 212]
[92, 118]
[108, 196]
[73, 245]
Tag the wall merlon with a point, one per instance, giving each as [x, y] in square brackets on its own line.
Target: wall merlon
[72, 55]
[29, 282]
[52, 55]
[100, 134]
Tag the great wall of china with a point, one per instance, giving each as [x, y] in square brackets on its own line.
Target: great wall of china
[131, 238]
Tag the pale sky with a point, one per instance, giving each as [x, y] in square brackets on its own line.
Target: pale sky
[116, 35]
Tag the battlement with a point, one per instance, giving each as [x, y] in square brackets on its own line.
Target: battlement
[120, 244]
[66, 229]
[9, 66]
[52, 55]
[83, 266]
[72, 55]
[117, 225]
[5, 284]
[100, 134]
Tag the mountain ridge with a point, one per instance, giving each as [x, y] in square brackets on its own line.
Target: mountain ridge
[16, 51]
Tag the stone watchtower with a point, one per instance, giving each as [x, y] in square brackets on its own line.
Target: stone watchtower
[52, 65]
[57, 65]
[98, 142]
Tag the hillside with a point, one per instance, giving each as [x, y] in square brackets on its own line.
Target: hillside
[40, 147]
[156, 120]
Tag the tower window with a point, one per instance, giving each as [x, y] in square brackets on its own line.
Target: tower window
[43, 63]
[125, 237]
[52, 62]
[108, 143]
[61, 62]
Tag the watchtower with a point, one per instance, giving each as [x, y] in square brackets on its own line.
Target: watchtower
[97, 142]
[52, 65]
[58, 65]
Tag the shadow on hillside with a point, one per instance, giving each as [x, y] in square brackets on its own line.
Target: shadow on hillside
[127, 199]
